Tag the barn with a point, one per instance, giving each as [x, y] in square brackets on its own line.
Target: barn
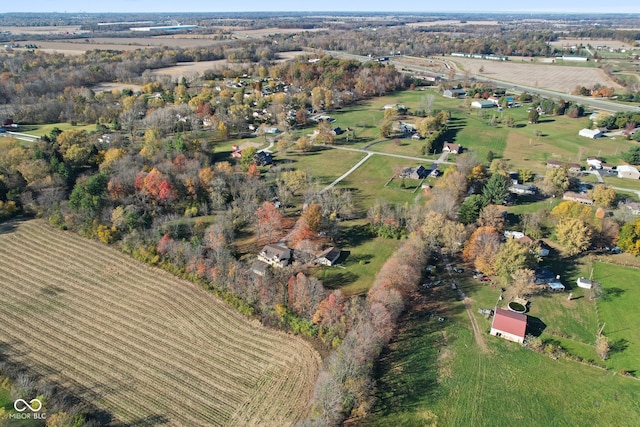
[509, 325]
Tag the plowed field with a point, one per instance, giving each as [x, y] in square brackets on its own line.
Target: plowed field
[139, 343]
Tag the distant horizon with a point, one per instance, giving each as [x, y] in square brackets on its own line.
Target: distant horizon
[327, 6]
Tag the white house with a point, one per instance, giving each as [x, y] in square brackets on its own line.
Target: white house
[275, 255]
[509, 325]
[595, 162]
[590, 133]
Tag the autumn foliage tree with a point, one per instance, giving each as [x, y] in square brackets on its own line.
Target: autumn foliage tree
[269, 220]
[574, 234]
[156, 186]
[511, 257]
[629, 240]
[304, 295]
[482, 249]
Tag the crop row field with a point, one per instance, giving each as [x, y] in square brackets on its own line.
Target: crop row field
[139, 343]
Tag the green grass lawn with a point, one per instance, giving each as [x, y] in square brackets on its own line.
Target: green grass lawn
[367, 182]
[324, 164]
[406, 147]
[435, 374]
[363, 255]
[618, 309]
[5, 397]
[633, 184]
[41, 130]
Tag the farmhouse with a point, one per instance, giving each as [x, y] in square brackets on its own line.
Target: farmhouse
[590, 133]
[594, 162]
[509, 325]
[329, 256]
[452, 148]
[626, 171]
[455, 93]
[414, 173]
[578, 197]
[483, 103]
[586, 283]
[262, 158]
[275, 255]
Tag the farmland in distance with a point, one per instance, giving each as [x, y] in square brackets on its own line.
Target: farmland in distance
[139, 343]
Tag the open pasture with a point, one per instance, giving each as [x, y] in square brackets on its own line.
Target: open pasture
[139, 343]
[544, 76]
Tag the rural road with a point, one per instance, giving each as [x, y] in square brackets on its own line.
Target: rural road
[597, 103]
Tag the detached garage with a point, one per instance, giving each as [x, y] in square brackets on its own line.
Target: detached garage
[590, 133]
[626, 171]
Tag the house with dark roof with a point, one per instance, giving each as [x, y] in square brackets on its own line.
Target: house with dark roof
[329, 256]
[455, 93]
[414, 173]
[509, 325]
[275, 255]
[263, 158]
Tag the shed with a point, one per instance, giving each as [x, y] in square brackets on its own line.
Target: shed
[586, 283]
[509, 325]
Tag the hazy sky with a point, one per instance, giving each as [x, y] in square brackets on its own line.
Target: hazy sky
[575, 6]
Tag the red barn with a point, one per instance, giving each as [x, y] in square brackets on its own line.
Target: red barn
[509, 325]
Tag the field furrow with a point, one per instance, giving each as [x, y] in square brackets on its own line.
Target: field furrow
[138, 342]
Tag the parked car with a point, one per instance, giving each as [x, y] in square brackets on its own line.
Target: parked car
[485, 279]
[458, 270]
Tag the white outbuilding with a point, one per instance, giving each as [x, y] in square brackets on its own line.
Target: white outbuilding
[590, 133]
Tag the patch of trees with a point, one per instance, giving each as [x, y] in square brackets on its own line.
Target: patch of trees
[619, 120]
[632, 155]
[345, 385]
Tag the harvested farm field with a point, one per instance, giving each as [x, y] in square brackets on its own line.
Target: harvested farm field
[139, 343]
[561, 78]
